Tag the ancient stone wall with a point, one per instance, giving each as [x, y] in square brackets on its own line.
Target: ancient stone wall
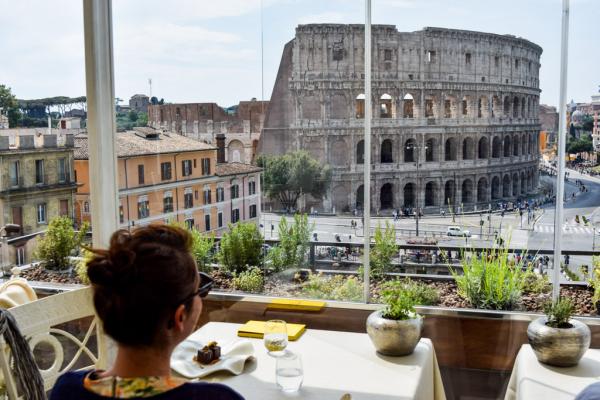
[455, 114]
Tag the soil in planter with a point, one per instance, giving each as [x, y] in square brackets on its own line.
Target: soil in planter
[40, 274]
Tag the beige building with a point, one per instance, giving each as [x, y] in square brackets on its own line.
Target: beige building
[169, 177]
[36, 183]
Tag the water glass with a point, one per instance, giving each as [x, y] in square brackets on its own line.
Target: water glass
[276, 337]
[288, 372]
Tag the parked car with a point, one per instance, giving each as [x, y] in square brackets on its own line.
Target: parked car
[457, 231]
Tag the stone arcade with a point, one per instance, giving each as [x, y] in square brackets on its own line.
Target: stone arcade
[455, 114]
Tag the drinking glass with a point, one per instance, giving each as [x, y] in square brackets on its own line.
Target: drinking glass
[276, 337]
[288, 372]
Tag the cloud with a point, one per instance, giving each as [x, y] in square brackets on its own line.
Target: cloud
[326, 17]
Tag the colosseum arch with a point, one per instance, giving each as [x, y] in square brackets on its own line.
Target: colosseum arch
[386, 151]
[408, 108]
[496, 106]
[450, 107]
[507, 146]
[523, 180]
[360, 152]
[523, 107]
[482, 107]
[359, 106]
[340, 197]
[386, 196]
[449, 192]
[496, 147]
[515, 107]
[516, 145]
[466, 106]
[235, 152]
[524, 144]
[450, 151]
[430, 150]
[483, 148]
[339, 107]
[529, 181]
[496, 188]
[467, 191]
[515, 184]
[431, 191]
[468, 149]
[385, 106]
[339, 152]
[409, 194]
[506, 108]
[482, 190]
[530, 108]
[529, 144]
[409, 150]
[360, 197]
[431, 106]
[506, 186]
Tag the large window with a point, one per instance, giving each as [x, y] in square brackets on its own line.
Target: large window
[13, 173]
[168, 202]
[143, 207]
[251, 188]
[141, 179]
[165, 171]
[188, 198]
[207, 196]
[235, 215]
[206, 166]
[220, 194]
[235, 191]
[186, 167]
[42, 213]
[39, 172]
[62, 170]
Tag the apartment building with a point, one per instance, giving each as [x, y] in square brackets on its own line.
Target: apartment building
[169, 177]
[36, 183]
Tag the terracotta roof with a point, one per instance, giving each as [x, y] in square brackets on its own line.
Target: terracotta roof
[235, 168]
[134, 143]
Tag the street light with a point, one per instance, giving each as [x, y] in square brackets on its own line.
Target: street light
[412, 146]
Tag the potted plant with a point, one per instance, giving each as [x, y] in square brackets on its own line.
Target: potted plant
[396, 329]
[557, 339]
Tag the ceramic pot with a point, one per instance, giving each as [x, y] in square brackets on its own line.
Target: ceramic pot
[394, 337]
[560, 347]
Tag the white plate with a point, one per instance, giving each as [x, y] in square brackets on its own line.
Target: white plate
[233, 357]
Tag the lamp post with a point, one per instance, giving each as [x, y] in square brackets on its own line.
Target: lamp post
[414, 147]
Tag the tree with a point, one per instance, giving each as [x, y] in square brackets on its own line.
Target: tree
[293, 243]
[241, 247]
[59, 242]
[9, 106]
[288, 176]
[133, 116]
[583, 144]
[202, 246]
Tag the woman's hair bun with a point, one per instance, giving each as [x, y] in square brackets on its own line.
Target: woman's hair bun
[100, 270]
[110, 268]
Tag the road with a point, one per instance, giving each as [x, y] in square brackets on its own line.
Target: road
[537, 233]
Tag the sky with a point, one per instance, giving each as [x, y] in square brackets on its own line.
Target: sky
[210, 51]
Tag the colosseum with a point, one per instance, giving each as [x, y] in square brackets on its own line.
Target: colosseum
[455, 115]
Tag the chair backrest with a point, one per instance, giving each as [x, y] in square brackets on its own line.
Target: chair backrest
[38, 322]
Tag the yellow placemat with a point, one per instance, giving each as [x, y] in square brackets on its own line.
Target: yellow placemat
[296, 305]
[256, 329]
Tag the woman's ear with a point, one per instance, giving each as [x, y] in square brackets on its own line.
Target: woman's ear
[179, 318]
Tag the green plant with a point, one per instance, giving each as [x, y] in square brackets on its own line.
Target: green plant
[59, 242]
[399, 305]
[490, 280]
[536, 283]
[240, 247]
[594, 279]
[559, 313]
[337, 287]
[420, 292]
[81, 266]
[384, 250]
[251, 281]
[573, 277]
[293, 243]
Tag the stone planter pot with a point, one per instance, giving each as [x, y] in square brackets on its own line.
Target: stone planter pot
[394, 338]
[560, 347]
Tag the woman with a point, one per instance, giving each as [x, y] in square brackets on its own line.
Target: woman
[147, 293]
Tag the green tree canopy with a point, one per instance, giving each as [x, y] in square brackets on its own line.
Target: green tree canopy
[288, 176]
[9, 105]
[583, 144]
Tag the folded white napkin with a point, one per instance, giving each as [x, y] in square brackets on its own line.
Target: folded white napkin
[233, 358]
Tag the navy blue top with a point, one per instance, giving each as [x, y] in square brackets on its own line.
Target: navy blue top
[70, 387]
[592, 392]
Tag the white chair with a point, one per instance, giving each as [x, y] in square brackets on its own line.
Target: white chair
[37, 322]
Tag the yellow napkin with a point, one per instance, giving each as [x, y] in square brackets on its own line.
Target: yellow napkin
[296, 305]
[256, 329]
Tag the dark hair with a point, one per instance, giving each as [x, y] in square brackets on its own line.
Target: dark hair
[140, 280]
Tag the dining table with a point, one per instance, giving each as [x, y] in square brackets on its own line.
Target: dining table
[336, 365]
[532, 380]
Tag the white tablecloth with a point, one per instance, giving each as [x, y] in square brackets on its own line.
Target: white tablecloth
[532, 380]
[334, 363]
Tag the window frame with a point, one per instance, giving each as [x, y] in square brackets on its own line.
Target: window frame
[166, 171]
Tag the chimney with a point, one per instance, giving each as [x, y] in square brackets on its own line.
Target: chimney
[220, 148]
